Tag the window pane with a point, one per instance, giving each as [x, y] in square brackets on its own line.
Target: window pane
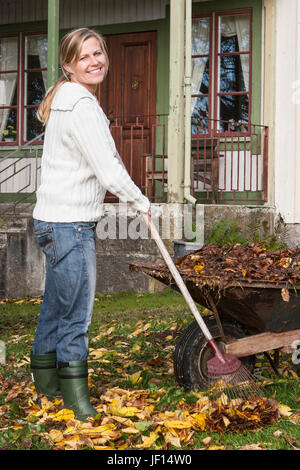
[234, 109]
[200, 115]
[32, 125]
[8, 125]
[8, 54]
[35, 87]
[200, 75]
[36, 49]
[200, 36]
[234, 73]
[234, 26]
[8, 89]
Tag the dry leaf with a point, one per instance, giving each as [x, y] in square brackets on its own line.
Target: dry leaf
[285, 295]
[206, 441]
[56, 435]
[148, 441]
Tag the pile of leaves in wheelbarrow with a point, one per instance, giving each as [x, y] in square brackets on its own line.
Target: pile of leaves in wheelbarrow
[251, 262]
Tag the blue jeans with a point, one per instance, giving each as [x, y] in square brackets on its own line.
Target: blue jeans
[70, 284]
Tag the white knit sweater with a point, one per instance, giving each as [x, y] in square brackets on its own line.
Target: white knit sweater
[80, 162]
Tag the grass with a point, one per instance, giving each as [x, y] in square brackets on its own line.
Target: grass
[132, 340]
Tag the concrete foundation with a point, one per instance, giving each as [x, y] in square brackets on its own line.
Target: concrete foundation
[120, 240]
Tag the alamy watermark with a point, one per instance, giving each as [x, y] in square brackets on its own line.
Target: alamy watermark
[173, 221]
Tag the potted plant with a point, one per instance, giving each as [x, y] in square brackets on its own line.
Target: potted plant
[9, 134]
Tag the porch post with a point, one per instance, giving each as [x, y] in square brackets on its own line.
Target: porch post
[53, 41]
[176, 107]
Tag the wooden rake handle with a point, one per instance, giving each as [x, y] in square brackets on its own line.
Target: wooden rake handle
[181, 285]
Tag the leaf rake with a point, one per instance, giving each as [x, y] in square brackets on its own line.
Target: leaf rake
[228, 378]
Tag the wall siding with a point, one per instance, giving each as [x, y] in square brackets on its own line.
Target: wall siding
[76, 13]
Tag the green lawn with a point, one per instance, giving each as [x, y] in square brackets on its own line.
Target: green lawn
[132, 340]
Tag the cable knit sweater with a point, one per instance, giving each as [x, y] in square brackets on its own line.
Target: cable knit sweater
[80, 162]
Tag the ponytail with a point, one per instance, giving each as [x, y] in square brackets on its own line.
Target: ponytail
[44, 108]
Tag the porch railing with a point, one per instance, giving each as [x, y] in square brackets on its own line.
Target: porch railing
[227, 165]
[19, 177]
[230, 162]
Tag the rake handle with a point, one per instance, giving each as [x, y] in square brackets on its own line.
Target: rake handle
[182, 286]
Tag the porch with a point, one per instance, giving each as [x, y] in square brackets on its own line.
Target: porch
[226, 166]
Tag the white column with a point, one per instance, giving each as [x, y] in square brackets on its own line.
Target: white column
[176, 107]
[286, 144]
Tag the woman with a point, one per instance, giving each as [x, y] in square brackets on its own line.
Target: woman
[79, 164]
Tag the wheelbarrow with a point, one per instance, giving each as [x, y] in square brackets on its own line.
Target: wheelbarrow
[248, 318]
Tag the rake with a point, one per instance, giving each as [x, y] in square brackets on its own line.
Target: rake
[228, 378]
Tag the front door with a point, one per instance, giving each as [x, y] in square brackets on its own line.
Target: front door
[128, 97]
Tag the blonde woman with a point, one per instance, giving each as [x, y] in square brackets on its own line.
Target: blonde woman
[80, 162]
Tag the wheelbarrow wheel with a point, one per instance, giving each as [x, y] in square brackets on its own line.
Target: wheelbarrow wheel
[192, 352]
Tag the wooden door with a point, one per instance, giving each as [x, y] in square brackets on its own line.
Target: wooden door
[128, 97]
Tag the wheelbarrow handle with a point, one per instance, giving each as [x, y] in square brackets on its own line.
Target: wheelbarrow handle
[181, 284]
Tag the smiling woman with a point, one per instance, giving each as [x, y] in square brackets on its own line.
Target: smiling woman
[79, 163]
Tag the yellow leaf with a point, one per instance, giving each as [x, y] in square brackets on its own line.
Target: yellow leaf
[177, 424]
[284, 410]
[64, 415]
[148, 441]
[200, 420]
[56, 435]
[216, 448]
[122, 410]
[98, 353]
[199, 268]
[104, 448]
[135, 378]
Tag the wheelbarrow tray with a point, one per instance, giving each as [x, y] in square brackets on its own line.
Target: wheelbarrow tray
[261, 306]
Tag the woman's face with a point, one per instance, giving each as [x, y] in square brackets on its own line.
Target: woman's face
[90, 69]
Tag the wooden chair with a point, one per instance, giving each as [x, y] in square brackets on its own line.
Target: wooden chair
[204, 167]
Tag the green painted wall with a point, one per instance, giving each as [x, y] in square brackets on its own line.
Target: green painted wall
[162, 27]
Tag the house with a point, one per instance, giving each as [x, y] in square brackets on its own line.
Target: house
[203, 99]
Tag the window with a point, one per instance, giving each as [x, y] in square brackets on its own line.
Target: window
[23, 83]
[221, 72]
[9, 84]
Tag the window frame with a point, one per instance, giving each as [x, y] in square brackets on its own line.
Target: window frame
[210, 58]
[17, 106]
[214, 54]
[23, 106]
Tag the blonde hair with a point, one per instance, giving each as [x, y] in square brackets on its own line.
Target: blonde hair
[69, 53]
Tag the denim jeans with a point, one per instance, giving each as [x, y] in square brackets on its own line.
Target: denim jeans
[70, 284]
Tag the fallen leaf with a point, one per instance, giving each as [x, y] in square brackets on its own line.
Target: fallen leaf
[285, 295]
[148, 441]
[206, 441]
[56, 435]
[284, 410]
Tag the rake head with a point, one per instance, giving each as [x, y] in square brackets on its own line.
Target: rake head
[231, 379]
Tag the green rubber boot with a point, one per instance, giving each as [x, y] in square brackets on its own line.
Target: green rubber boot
[73, 381]
[44, 374]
